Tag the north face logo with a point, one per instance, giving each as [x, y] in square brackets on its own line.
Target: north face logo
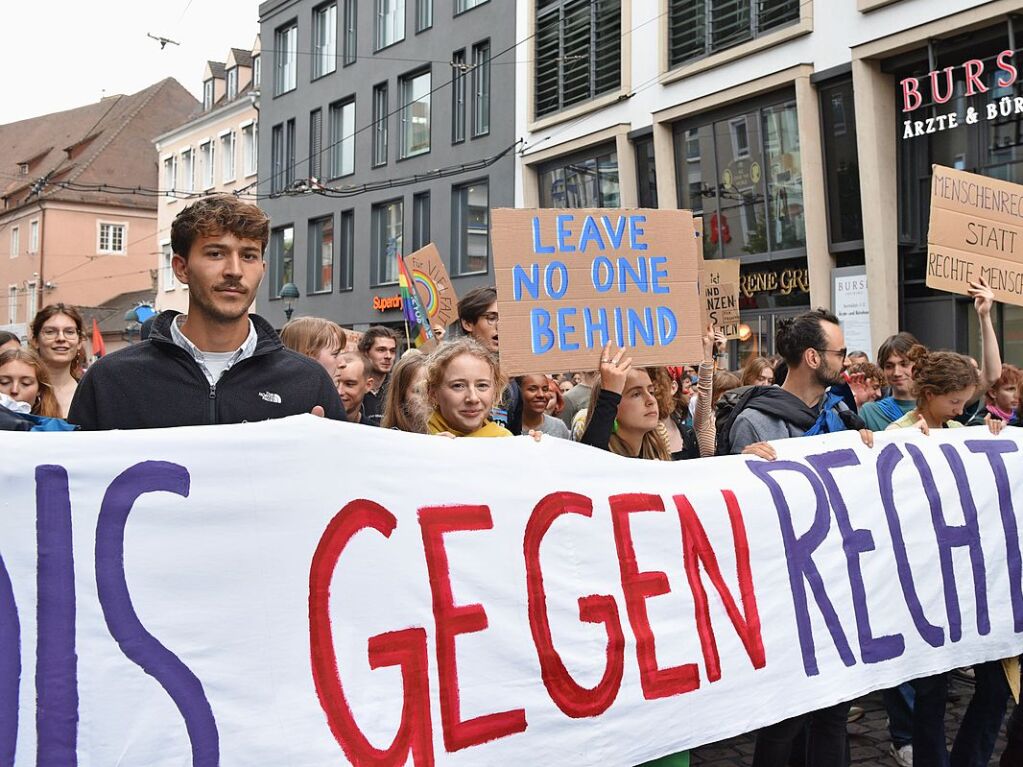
[269, 396]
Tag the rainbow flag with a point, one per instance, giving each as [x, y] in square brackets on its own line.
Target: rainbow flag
[412, 308]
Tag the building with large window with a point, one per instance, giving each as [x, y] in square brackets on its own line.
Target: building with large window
[780, 123]
[386, 125]
[214, 151]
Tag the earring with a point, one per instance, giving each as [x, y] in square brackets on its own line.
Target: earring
[614, 427]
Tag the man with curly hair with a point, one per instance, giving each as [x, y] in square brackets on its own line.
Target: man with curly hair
[217, 363]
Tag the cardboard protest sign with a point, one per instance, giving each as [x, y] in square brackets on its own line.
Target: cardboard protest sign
[976, 230]
[568, 281]
[164, 603]
[433, 285]
[719, 284]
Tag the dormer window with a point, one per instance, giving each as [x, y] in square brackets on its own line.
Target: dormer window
[207, 94]
[23, 168]
[257, 71]
[232, 83]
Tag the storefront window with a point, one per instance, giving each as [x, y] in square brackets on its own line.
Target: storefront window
[742, 173]
[841, 163]
[991, 148]
[587, 181]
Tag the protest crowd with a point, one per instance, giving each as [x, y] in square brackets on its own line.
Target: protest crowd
[219, 364]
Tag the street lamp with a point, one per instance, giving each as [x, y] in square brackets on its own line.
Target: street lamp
[290, 294]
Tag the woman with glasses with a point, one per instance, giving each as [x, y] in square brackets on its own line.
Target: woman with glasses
[58, 337]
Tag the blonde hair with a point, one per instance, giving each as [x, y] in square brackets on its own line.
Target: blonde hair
[654, 446]
[439, 360]
[46, 403]
[400, 412]
[311, 335]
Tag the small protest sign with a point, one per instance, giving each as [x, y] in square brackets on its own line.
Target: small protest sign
[976, 231]
[719, 285]
[569, 281]
[433, 286]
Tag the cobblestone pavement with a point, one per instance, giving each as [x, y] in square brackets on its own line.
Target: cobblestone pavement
[868, 737]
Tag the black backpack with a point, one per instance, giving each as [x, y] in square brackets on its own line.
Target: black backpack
[728, 406]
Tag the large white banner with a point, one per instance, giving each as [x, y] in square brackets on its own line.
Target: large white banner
[305, 592]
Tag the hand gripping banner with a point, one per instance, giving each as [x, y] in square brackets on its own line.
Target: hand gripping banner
[308, 592]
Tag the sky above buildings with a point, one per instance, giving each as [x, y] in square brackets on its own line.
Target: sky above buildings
[66, 54]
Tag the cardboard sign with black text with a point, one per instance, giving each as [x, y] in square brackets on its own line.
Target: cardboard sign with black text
[568, 281]
[976, 231]
[719, 284]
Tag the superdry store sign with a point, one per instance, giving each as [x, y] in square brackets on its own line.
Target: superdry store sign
[941, 85]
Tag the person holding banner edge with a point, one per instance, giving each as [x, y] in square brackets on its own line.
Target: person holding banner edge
[462, 383]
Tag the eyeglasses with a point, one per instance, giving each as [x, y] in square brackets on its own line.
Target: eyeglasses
[51, 333]
[842, 353]
[492, 318]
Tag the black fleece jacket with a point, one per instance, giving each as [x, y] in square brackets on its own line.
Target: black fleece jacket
[156, 383]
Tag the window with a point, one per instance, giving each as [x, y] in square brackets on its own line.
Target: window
[458, 72]
[481, 89]
[227, 172]
[282, 259]
[232, 83]
[742, 172]
[424, 15]
[583, 181]
[461, 6]
[841, 163]
[111, 238]
[282, 156]
[578, 52]
[470, 227]
[390, 23]
[257, 71]
[31, 299]
[346, 239]
[420, 220]
[12, 304]
[349, 53]
[321, 255]
[324, 40]
[380, 124]
[33, 236]
[170, 173]
[188, 170]
[699, 27]
[285, 59]
[167, 278]
[315, 143]
[646, 172]
[206, 159]
[415, 114]
[207, 94]
[15, 241]
[250, 148]
[387, 241]
[341, 152]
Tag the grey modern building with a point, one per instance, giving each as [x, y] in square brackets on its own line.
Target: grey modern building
[384, 125]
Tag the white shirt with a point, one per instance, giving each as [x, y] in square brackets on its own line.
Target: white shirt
[214, 364]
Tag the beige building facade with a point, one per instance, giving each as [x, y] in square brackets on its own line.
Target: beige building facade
[215, 151]
[74, 227]
[782, 125]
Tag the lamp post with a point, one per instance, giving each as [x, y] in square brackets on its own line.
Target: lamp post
[290, 294]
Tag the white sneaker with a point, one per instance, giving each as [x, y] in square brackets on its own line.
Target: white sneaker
[903, 756]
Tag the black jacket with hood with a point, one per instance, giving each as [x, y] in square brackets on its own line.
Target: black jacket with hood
[156, 383]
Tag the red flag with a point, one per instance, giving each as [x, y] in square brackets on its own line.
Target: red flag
[98, 347]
